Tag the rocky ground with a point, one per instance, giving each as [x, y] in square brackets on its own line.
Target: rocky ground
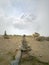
[9, 48]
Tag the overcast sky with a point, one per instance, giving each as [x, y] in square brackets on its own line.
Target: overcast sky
[24, 16]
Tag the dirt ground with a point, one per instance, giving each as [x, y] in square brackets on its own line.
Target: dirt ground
[9, 47]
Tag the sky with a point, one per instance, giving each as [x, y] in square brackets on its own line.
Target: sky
[24, 17]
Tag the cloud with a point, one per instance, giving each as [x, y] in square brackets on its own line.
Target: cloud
[26, 23]
[29, 17]
[26, 16]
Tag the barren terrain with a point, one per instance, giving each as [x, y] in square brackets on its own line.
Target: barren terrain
[9, 47]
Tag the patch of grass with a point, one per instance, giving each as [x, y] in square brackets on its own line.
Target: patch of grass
[45, 63]
[6, 37]
[1, 59]
[13, 57]
[33, 61]
[12, 54]
[47, 38]
[36, 60]
[41, 38]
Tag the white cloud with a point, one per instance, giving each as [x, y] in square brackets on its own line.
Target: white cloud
[35, 16]
[27, 23]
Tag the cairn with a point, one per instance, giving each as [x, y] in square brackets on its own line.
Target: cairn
[5, 35]
[25, 49]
